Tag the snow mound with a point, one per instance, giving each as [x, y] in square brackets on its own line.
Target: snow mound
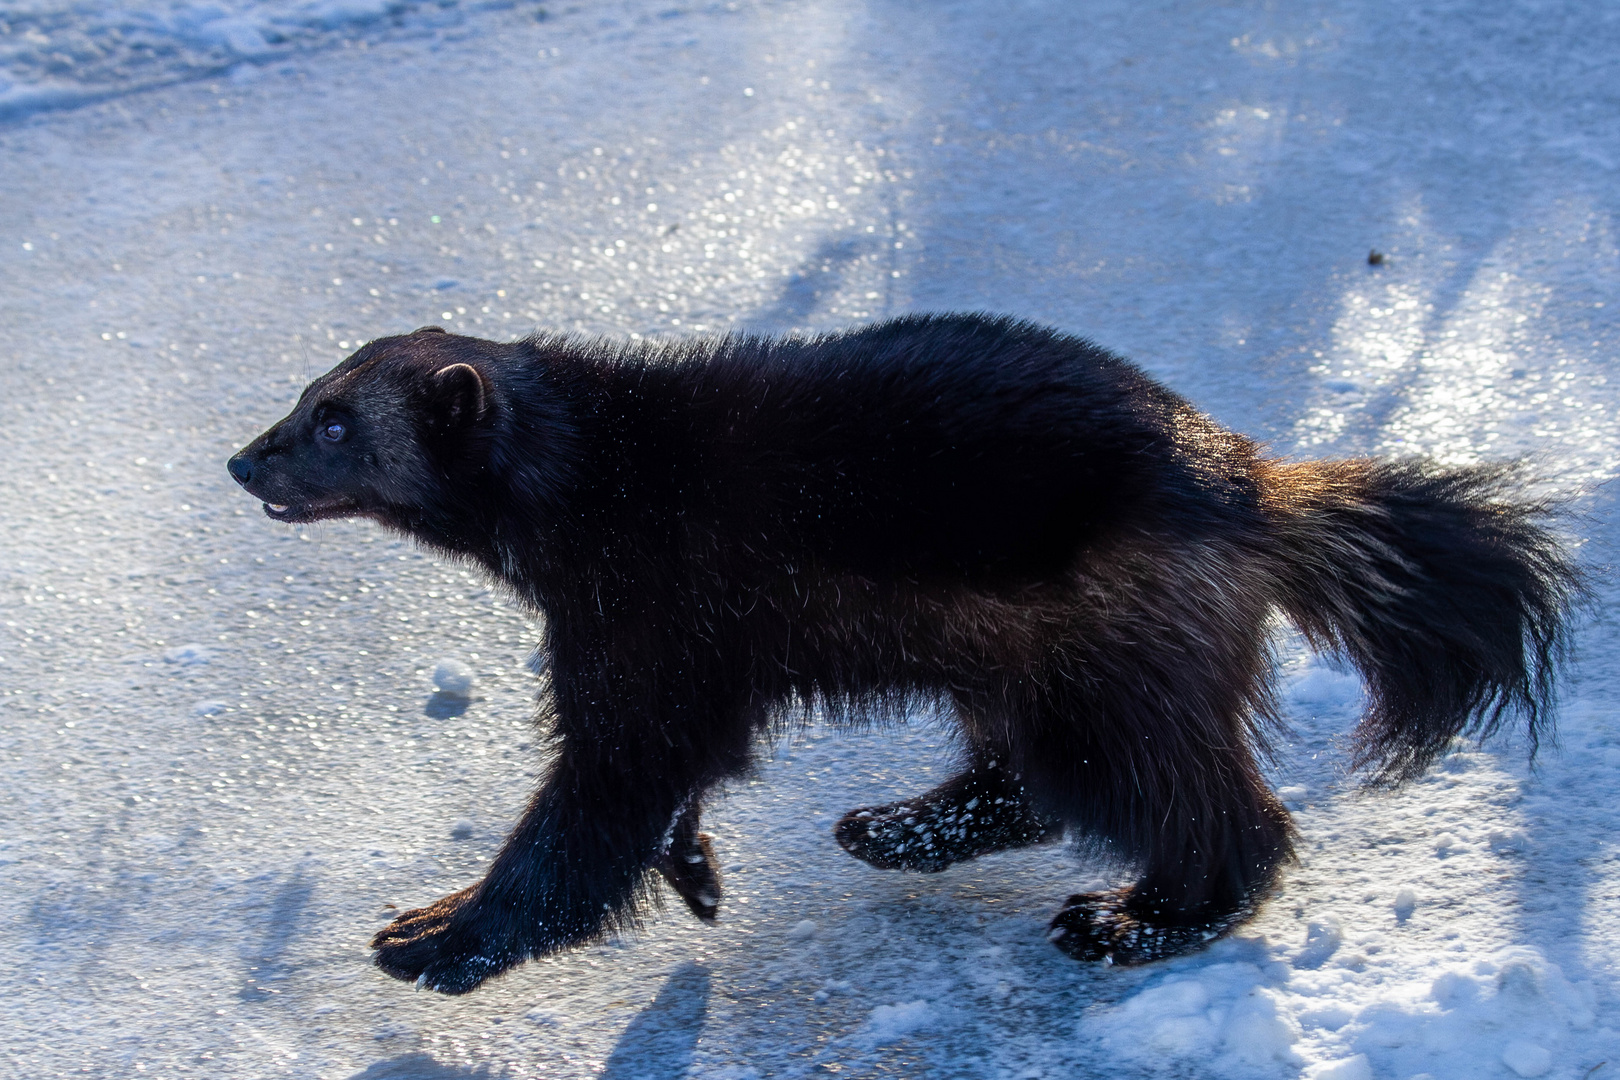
[1515, 1009]
[1241, 1018]
[1225, 1018]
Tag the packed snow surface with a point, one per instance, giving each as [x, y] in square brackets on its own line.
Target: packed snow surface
[226, 761]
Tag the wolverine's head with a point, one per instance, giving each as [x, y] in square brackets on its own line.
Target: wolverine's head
[382, 435]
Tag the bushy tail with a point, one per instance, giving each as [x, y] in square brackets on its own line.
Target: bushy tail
[1440, 584]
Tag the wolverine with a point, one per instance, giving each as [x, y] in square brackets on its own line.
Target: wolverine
[975, 513]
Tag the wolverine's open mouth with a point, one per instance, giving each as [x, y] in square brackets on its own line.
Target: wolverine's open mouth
[311, 511]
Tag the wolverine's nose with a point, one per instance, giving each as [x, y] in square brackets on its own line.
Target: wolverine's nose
[240, 469]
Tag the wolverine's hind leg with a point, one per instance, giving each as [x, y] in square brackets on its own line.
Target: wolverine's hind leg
[1141, 734]
[980, 810]
[1209, 864]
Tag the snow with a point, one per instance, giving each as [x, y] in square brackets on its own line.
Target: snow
[889, 1023]
[226, 764]
[1526, 1058]
[1350, 1068]
[453, 679]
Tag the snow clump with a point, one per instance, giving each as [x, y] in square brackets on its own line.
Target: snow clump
[454, 679]
[1526, 1058]
[890, 1022]
[1514, 1009]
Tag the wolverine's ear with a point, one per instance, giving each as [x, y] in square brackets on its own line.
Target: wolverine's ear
[429, 330]
[460, 395]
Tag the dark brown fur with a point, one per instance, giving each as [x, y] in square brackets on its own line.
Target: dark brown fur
[963, 510]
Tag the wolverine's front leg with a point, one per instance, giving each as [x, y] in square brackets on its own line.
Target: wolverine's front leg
[576, 865]
[568, 873]
[688, 864]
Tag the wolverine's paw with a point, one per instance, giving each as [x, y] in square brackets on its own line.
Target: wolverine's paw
[693, 872]
[899, 836]
[968, 817]
[1103, 926]
[439, 948]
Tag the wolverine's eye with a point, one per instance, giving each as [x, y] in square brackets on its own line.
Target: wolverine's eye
[334, 432]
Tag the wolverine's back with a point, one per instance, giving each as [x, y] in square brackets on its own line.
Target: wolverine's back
[938, 446]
